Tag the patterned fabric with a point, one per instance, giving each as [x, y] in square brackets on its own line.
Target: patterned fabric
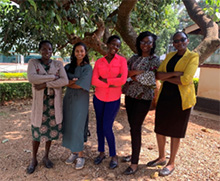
[49, 130]
[143, 88]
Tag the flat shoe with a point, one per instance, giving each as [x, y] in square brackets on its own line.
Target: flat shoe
[165, 171]
[129, 171]
[71, 158]
[154, 163]
[98, 160]
[113, 164]
[31, 168]
[126, 159]
[48, 163]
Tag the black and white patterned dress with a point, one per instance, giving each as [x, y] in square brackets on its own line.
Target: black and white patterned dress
[143, 88]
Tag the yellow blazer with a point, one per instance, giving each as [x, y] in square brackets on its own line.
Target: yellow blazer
[188, 64]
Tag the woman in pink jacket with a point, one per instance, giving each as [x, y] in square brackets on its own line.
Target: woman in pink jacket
[109, 74]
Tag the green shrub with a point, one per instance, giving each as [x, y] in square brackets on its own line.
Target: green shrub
[12, 91]
[196, 82]
[17, 75]
[1, 75]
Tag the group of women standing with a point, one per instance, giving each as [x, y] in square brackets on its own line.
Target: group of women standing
[138, 75]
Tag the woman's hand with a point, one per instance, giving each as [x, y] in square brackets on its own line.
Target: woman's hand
[118, 76]
[134, 72]
[134, 78]
[72, 82]
[167, 75]
[103, 80]
[57, 77]
[40, 86]
[178, 74]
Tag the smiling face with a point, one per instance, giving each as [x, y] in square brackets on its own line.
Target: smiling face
[114, 46]
[146, 45]
[180, 42]
[46, 51]
[80, 53]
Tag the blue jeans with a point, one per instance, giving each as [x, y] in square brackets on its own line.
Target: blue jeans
[105, 116]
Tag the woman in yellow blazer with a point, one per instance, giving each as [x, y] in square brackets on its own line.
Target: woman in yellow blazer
[175, 99]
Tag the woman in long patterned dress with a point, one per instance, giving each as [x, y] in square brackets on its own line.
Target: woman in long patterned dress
[47, 77]
[176, 97]
[76, 104]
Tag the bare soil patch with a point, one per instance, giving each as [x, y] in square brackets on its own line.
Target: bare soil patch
[198, 157]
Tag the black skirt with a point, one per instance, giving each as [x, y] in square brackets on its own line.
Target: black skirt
[170, 119]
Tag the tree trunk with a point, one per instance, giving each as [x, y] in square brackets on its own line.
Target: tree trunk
[210, 31]
[123, 25]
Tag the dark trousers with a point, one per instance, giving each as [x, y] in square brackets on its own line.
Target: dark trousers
[137, 110]
[105, 116]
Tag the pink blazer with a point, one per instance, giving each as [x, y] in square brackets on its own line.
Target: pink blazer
[109, 71]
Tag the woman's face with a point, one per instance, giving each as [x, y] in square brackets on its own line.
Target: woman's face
[146, 44]
[46, 51]
[80, 52]
[114, 46]
[180, 41]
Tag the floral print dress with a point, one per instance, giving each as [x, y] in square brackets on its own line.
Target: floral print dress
[49, 130]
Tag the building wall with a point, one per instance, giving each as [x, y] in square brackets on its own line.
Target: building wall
[208, 95]
[209, 82]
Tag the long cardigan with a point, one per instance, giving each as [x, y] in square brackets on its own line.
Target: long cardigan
[188, 64]
[37, 75]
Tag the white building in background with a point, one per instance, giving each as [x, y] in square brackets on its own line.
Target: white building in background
[19, 63]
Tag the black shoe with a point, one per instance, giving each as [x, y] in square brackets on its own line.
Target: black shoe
[31, 168]
[47, 163]
[154, 163]
[113, 164]
[129, 171]
[165, 171]
[126, 158]
[98, 160]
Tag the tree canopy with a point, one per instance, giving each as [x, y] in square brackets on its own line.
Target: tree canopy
[70, 21]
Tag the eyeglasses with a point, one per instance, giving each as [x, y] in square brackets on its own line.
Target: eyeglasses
[145, 43]
[181, 40]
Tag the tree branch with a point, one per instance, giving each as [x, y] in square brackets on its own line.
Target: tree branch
[211, 41]
[123, 25]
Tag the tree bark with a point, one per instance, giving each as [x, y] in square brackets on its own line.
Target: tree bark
[210, 31]
[123, 25]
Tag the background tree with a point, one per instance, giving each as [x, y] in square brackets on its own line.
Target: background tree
[69, 21]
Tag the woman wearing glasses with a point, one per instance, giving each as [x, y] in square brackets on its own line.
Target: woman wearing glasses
[176, 97]
[139, 91]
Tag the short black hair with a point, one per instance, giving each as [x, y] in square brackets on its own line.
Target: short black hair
[43, 42]
[180, 32]
[141, 36]
[113, 37]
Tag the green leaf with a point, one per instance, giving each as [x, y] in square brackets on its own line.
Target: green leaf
[33, 4]
[58, 19]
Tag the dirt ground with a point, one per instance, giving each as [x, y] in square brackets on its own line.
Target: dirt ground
[198, 157]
